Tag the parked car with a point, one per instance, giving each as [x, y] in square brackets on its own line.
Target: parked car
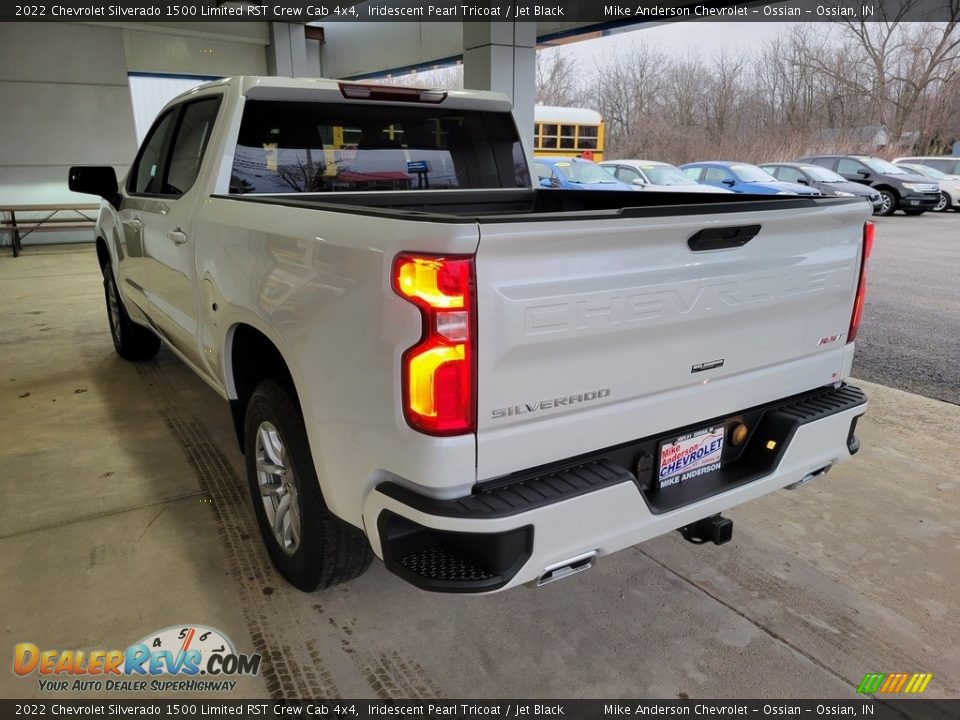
[742, 178]
[949, 185]
[899, 189]
[575, 173]
[826, 181]
[948, 164]
[656, 176]
[482, 382]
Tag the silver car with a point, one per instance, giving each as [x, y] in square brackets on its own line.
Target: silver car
[650, 175]
[949, 184]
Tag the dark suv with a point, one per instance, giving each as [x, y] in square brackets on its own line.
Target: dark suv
[899, 188]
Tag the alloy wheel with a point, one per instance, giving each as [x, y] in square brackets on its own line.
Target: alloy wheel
[278, 487]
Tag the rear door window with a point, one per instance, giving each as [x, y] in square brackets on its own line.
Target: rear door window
[299, 147]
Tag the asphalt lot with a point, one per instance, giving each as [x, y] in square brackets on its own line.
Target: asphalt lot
[910, 336]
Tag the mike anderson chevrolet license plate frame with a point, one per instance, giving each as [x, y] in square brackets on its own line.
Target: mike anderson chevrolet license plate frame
[691, 456]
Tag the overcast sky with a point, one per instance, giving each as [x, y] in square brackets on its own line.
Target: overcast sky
[702, 38]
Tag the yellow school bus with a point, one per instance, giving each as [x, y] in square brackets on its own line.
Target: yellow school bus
[567, 132]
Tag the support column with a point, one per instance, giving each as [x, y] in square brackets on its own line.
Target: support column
[287, 52]
[501, 56]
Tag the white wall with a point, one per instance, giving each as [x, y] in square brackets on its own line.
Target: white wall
[199, 48]
[150, 93]
[65, 95]
[64, 100]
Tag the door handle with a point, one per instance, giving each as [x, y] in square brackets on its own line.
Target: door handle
[722, 237]
[178, 236]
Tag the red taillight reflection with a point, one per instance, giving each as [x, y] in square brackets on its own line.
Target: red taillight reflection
[868, 233]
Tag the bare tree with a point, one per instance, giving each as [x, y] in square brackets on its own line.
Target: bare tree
[446, 77]
[558, 79]
[629, 92]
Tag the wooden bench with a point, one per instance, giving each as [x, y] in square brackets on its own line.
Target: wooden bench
[52, 221]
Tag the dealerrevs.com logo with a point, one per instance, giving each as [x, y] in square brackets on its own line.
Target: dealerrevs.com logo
[178, 658]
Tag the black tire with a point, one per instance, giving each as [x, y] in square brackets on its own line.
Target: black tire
[914, 212]
[889, 202]
[131, 341]
[328, 551]
[944, 203]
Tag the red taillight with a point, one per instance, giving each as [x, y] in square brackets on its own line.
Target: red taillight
[438, 372]
[868, 230]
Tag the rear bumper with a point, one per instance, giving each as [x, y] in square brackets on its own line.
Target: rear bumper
[519, 529]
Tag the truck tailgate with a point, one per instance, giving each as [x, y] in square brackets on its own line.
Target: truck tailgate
[595, 332]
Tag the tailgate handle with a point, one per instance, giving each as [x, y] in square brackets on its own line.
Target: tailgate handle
[720, 238]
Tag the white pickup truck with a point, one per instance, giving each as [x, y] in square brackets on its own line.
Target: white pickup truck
[481, 382]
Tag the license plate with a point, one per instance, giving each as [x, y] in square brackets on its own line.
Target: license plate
[691, 456]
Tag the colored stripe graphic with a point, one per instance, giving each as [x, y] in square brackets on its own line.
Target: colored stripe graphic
[913, 683]
[871, 683]
[927, 677]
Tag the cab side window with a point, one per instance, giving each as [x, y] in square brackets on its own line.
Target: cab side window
[146, 175]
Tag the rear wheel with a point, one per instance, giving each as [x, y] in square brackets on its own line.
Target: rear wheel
[310, 546]
[888, 204]
[131, 341]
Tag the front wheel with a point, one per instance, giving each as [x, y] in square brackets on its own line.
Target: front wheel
[888, 204]
[131, 341]
[310, 546]
[944, 203]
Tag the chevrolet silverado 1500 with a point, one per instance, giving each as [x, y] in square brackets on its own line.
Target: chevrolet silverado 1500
[482, 382]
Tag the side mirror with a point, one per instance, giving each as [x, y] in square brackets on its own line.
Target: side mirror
[640, 181]
[803, 181]
[863, 173]
[729, 182]
[546, 182]
[95, 180]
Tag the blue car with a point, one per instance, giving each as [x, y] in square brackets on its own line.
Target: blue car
[575, 173]
[743, 178]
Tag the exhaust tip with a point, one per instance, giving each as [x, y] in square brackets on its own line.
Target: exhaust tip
[565, 569]
[809, 477]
